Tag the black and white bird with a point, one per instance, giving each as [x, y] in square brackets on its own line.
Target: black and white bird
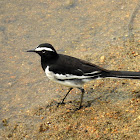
[74, 72]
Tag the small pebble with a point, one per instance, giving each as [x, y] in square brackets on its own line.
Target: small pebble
[102, 59]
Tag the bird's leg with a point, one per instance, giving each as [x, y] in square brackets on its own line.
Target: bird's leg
[81, 100]
[62, 102]
[66, 95]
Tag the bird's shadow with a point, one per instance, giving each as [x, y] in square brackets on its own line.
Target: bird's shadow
[68, 106]
[88, 101]
[72, 105]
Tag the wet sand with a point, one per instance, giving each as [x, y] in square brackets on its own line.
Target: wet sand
[105, 33]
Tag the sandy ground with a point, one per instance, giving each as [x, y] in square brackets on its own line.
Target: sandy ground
[103, 32]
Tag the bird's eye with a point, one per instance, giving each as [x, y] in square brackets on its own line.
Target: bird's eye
[43, 51]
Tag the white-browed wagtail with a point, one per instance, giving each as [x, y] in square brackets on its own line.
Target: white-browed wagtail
[74, 72]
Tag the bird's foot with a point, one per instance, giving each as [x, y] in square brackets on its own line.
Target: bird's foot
[60, 103]
[78, 108]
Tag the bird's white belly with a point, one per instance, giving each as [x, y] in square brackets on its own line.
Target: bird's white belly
[66, 82]
[49, 74]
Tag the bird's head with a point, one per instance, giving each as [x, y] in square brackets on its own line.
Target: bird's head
[45, 50]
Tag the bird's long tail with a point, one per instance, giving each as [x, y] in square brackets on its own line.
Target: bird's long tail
[123, 74]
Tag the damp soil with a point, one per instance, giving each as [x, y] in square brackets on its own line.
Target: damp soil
[105, 33]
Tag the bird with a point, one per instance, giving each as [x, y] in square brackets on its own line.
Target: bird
[73, 72]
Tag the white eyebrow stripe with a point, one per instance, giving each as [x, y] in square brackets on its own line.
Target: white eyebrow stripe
[44, 48]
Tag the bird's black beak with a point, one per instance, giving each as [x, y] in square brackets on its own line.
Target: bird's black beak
[31, 51]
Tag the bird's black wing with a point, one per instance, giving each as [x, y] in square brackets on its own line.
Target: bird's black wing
[67, 65]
